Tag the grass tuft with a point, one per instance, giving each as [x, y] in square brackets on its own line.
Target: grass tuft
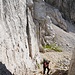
[53, 47]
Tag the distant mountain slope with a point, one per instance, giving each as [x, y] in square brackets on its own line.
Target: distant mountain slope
[65, 39]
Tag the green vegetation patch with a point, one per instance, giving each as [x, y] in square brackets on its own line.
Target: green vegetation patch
[53, 47]
[38, 65]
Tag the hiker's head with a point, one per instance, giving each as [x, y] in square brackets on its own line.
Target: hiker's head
[44, 59]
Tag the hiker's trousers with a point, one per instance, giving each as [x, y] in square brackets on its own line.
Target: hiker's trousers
[44, 70]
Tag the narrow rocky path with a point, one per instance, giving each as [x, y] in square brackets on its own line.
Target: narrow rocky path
[58, 61]
[58, 58]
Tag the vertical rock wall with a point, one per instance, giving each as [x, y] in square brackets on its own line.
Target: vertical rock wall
[18, 40]
[65, 6]
[72, 64]
[43, 23]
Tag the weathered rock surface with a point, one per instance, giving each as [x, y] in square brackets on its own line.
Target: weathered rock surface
[56, 17]
[17, 34]
[65, 6]
[44, 24]
[60, 72]
[21, 23]
[45, 19]
[72, 65]
[63, 39]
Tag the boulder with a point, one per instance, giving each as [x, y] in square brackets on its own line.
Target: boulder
[60, 72]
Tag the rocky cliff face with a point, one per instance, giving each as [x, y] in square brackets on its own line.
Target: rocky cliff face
[26, 26]
[45, 16]
[17, 34]
[67, 7]
[72, 64]
[62, 20]
[43, 22]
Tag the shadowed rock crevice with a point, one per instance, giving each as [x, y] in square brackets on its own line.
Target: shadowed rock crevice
[60, 72]
[4, 70]
[28, 35]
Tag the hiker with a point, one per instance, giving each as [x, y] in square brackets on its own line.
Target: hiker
[46, 66]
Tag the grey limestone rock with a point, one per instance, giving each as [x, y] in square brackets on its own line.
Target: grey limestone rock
[17, 34]
[65, 6]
